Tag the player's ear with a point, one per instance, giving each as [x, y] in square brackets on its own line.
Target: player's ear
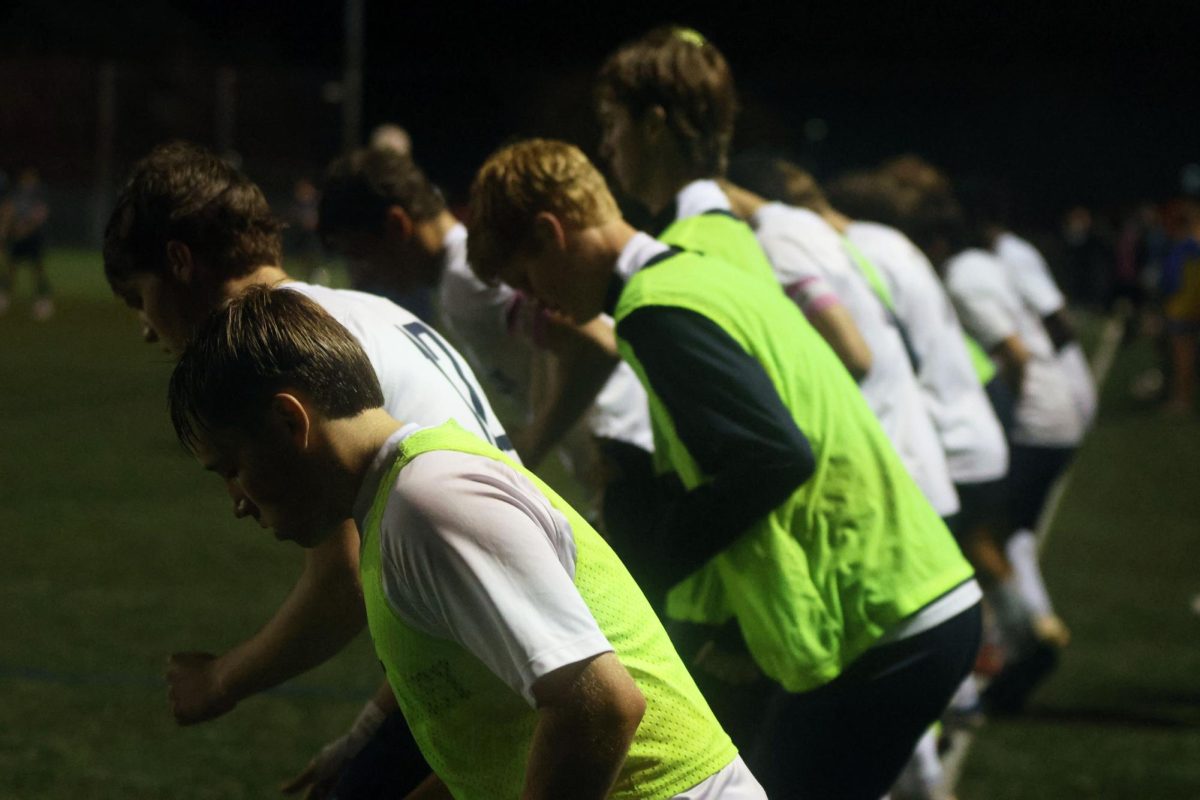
[291, 416]
[548, 232]
[180, 261]
[653, 123]
[397, 224]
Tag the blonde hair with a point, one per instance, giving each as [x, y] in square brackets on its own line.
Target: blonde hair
[518, 182]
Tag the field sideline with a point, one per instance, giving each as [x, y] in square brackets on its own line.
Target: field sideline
[117, 550]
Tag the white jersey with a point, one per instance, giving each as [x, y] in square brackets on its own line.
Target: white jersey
[967, 427]
[474, 554]
[1037, 288]
[424, 379]
[991, 310]
[493, 324]
[803, 247]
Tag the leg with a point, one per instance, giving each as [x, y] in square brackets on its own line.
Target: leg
[851, 738]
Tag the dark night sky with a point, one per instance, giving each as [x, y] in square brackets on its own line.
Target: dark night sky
[1063, 101]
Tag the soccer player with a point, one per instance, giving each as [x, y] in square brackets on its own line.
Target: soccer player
[1181, 305]
[1032, 279]
[1047, 425]
[519, 648]
[903, 280]
[190, 231]
[796, 518]
[23, 216]
[379, 207]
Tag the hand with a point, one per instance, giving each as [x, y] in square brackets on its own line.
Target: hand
[322, 771]
[194, 691]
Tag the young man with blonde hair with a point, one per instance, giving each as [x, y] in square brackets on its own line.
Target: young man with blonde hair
[796, 517]
[524, 657]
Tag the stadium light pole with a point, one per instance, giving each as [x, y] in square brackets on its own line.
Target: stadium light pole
[106, 124]
[352, 76]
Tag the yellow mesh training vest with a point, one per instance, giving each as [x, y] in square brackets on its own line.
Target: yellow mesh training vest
[474, 731]
[856, 548]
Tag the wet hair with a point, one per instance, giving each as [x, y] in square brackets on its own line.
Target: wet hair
[360, 187]
[678, 70]
[259, 343]
[183, 192]
[521, 180]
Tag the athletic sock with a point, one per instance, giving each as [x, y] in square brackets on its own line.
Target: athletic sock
[1022, 552]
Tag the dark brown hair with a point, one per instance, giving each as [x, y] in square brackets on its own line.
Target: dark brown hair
[183, 192]
[261, 342]
[359, 188]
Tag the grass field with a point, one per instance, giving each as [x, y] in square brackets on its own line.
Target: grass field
[116, 549]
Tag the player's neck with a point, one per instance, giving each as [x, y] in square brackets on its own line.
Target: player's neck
[353, 444]
[431, 233]
[612, 237]
[265, 275]
[839, 221]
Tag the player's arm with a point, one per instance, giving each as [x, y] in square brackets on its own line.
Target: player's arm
[1012, 357]
[321, 614]
[837, 327]
[732, 421]
[1058, 326]
[587, 714]
[583, 358]
[482, 569]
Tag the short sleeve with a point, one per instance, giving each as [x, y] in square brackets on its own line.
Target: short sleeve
[475, 554]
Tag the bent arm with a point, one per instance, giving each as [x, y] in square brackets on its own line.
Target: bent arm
[1058, 326]
[730, 418]
[1012, 357]
[319, 617]
[837, 328]
[584, 357]
[587, 715]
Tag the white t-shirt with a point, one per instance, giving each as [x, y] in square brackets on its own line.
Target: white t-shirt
[494, 325]
[423, 377]
[967, 427]
[472, 553]
[991, 310]
[802, 248]
[1031, 275]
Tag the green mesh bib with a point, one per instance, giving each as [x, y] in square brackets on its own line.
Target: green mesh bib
[856, 548]
[985, 370]
[722, 235]
[474, 731]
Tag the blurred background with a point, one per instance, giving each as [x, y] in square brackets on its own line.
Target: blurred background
[115, 550]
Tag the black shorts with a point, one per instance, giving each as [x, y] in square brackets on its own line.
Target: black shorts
[982, 505]
[850, 738]
[28, 249]
[1031, 475]
[1000, 395]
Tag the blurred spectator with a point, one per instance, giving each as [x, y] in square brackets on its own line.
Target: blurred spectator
[1088, 258]
[23, 216]
[1181, 305]
[301, 243]
[392, 137]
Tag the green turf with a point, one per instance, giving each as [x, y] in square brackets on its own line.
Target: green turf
[117, 550]
[1121, 717]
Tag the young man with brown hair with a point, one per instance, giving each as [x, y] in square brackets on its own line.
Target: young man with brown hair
[190, 231]
[522, 653]
[379, 207]
[796, 520]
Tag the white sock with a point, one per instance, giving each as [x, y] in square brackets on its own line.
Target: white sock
[966, 696]
[1022, 552]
